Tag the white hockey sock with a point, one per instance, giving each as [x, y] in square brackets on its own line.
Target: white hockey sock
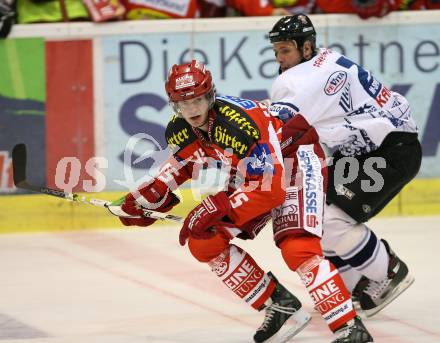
[362, 250]
[351, 276]
[354, 244]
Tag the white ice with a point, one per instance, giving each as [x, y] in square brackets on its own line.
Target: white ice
[139, 285]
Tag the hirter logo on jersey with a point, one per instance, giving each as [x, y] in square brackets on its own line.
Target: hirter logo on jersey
[335, 82]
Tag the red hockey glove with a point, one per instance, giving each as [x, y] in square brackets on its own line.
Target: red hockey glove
[159, 198]
[297, 131]
[372, 8]
[209, 212]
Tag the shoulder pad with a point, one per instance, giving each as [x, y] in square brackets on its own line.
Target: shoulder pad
[179, 133]
[237, 117]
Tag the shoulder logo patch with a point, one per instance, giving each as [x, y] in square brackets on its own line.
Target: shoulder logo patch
[283, 110]
[260, 161]
[243, 103]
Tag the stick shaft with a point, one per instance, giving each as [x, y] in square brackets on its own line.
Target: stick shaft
[19, 157]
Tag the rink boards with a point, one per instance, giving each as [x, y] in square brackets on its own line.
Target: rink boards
[25, 213]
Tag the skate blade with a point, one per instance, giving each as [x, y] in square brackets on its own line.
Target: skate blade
[406, 282]
[295, 324]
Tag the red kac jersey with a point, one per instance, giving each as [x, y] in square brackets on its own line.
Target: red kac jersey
[242, 140]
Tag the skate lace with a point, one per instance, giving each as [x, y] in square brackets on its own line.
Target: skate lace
[375, 288]
[270, 312]
[344, 332]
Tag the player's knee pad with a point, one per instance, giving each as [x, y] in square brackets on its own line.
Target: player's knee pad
[350, 240]
[205, 250]
[335, 213]
[336, 224]
[298, 249]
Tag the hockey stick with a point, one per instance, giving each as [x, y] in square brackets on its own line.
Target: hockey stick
[19, 158]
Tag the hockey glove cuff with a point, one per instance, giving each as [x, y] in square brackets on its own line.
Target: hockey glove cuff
[297, 131]
[209, 212]
[155, 196]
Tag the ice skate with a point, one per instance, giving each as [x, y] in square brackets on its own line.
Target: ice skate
[357, 291]
[378, 294]
[353, 331]
[284, 317]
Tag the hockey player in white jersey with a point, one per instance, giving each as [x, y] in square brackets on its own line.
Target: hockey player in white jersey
[376, 152]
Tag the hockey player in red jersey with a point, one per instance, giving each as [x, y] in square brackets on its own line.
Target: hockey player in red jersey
[363, 122]
[375, 8]
[242, 137]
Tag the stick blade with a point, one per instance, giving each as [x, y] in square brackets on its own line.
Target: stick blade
[19, 163]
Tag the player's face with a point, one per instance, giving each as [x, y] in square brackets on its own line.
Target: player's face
[287, 54]
[195, 111]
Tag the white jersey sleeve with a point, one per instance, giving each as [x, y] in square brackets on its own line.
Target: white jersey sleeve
[347, 106]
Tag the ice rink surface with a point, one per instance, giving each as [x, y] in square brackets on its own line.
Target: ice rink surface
[139, 285]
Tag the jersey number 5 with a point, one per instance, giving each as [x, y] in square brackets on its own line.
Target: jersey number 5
[238, 199]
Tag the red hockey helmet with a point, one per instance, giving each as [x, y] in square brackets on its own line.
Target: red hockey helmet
[189, 80]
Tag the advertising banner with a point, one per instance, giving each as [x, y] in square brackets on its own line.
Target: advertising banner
[69, 116]
[407, 59]
[22, 107]
[243, 64]
[135, 69]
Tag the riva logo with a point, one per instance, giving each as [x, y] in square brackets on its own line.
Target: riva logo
[335, 82]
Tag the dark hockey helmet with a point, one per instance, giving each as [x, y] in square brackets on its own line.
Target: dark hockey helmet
[296, 28]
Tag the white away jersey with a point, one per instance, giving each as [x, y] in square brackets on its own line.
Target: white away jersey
[346, 105]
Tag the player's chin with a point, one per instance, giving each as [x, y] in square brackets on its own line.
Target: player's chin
[195, 119]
